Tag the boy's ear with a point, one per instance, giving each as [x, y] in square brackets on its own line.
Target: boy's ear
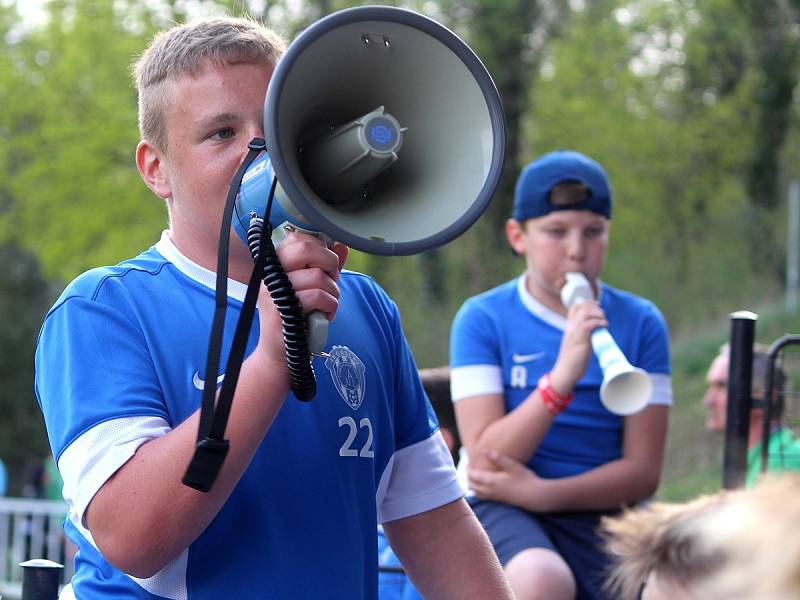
[151, 168]
[515, 233]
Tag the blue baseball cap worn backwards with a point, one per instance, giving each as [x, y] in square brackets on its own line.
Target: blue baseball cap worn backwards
[532, 197]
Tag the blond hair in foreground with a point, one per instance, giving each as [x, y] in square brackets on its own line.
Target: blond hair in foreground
[733, 545]
[183, 49]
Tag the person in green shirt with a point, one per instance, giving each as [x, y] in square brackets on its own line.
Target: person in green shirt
[783, 444]
[783, 454]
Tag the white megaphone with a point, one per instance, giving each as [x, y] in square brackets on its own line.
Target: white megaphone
[384, 131]
[625, 389]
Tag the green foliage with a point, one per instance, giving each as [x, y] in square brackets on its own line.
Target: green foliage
[24, 298]
[617, 86]
[72, 188]
[777, 52]
[688, 104]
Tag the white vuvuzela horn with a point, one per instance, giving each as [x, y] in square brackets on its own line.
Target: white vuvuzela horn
[625, 389]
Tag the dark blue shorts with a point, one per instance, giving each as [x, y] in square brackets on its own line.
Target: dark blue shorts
[572, 535]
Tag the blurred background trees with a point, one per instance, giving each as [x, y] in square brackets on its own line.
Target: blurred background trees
[24, 297]
[691, 106]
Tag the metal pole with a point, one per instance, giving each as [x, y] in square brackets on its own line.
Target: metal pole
[792, 246]
[740, 378]
[40, 578]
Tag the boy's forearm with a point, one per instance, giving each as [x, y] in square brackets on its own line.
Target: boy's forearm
[447, 554]
[518, 433]
[144, 516]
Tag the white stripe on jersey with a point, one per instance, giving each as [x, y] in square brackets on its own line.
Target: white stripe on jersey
[403, 491]
[96, 455]
[662, 389]
[475, 380]
[88, 462]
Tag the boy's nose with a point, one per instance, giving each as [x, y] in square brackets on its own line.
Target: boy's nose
[576, 247]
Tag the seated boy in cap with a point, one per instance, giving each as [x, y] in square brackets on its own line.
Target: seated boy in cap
[546, 459]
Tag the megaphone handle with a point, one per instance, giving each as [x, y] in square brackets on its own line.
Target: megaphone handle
[317, 326]
[316, 321]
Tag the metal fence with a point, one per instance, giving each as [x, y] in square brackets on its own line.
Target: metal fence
[30, 529]
[778, 398]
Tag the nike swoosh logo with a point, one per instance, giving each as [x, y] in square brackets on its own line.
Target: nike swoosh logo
[523, 358]
[200, 384]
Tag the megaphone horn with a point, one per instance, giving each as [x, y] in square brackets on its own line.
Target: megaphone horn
[385, 132]
[625, 389]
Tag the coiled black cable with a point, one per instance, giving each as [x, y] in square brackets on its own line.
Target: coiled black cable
[295, 332]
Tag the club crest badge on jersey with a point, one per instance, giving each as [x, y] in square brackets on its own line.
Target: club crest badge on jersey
[347, 372]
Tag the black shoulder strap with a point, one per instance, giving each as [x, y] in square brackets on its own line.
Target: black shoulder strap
[211, 447]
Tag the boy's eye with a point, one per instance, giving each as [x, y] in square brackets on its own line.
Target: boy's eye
[222, 134]
[555, 231]
[594, 232]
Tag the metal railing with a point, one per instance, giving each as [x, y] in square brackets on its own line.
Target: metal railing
[30, 529]
[773, 399]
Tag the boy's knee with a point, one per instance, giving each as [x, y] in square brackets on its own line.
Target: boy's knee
[539, 574]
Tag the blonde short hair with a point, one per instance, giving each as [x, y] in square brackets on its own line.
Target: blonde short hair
[183, 49]
[733, 545]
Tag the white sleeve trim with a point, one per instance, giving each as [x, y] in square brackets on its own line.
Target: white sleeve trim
[475, 380]
[662, 389]
[86, 465]
[97, 454]
[417, 479]
[169, 582]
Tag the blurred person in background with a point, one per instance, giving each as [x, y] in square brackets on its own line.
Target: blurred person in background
[784, 445]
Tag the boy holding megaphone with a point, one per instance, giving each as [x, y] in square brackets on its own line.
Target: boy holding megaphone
[295, 490]
[547, 457]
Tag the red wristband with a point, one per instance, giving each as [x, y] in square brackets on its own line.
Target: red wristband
[555, 402]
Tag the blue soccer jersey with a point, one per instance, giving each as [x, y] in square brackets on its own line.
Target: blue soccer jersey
[504, 340]
[120, 361]
[393, 583]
